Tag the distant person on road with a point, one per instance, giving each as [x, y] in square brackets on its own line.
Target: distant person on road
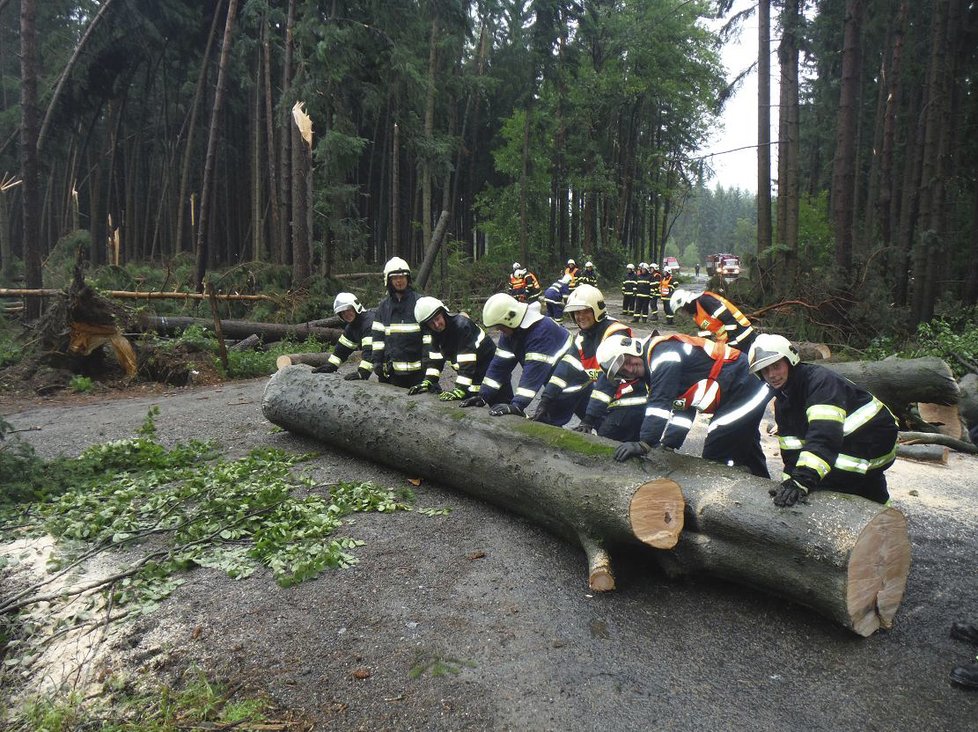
[716, 317]
[833, 434]
[697, 270]
[643, 294]
[628, 291]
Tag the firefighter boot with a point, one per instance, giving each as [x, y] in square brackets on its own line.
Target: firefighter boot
[967, 632]
[668, 320]
[655, 317]
[966, 675]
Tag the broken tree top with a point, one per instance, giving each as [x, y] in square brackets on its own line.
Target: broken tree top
[844, 556]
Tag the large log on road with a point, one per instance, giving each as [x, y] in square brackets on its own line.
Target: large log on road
[898, 382]
[844, 556]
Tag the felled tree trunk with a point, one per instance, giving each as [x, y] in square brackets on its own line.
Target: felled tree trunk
[898, 382]
[310, 359]
[269, 332]
[844, 556]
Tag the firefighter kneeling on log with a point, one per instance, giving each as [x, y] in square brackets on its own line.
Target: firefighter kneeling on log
[686, 375]
[535, 342]
[358, 334]
[833, 434]
[456, 339]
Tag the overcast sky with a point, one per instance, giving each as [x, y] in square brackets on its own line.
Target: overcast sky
[739, 169]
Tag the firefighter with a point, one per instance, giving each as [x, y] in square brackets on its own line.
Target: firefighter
[643, 293]
[357, 336]
[686, 375]
[965, 675]
[530, 339]
[533, 289]
[587, 306]
[716, 317]
[655, 277]
[628, 290]
[833, 434]
[666, 289]
[555, 296]
[588, 276]
[456, 339]
[397, 339]
[572, 271]
[517, 282]
[573, 379]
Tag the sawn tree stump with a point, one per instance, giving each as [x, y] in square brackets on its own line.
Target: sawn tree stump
[843, 556]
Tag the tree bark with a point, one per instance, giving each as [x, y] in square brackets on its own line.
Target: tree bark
[432, 250]
[28, 152]
[763, 126]
[269, 332]
[206, 192]
[845, 557]
[899, 382]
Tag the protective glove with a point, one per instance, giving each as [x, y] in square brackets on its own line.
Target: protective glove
[789, 493]
[453, 395]
[358, 375]
[543, 411]
[629, 450]
[424, 386]
[586, 427]
[498, 410]
[473, 401]
[326, 368]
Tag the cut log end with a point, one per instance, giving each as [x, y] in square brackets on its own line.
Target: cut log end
[600, 578]
[283, 361]
[656, 513]
[878, 567]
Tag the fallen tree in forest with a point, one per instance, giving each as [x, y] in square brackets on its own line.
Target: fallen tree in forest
[268, 332]
[843, 556]
[898, 382]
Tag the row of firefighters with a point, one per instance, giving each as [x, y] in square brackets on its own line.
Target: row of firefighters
[643, 392]
[641, 288]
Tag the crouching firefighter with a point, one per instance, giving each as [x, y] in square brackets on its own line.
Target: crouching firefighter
[833, 434]
[527, 338]
[686, 375]
[456, 339]
[357, 335]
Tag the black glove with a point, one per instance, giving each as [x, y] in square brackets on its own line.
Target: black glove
[543, 411]
[629, 450]
[498, 410]
[326, 368]
[585, 427]
[473, 401]
[789, 493]
[358, 375]
[423, 387]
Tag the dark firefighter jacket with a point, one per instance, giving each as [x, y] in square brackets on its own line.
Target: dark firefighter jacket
[643, 285]
[628, 283]
[463, 344]
[538, 349]
[357, 335]
[828, 427]
[398, 343]
[580, 368]
[717, 316]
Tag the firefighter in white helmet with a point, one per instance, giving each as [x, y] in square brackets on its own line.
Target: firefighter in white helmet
[643, 294]
[628, 290]
[530, 339]
[833, 434]
[398, 342]
[716, 317]
[686, 375]
[357, 336]
[455, 339]
[588, 276]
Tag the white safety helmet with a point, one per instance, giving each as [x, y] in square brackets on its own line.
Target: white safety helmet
[683, 297]
[396, 266]
[519, 272]
[346, 300]
[588, 265]
[769, 348]
[503, 309]
[428, 307]
[630, 267]
[516, 266]
[571, 263]
[643, 265]
[612, 351]
[587, 297]
[654, 265]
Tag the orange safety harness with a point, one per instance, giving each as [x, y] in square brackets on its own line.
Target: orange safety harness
[704, 395]
[705, 321]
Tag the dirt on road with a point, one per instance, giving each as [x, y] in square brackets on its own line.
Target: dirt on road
[478, 620]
